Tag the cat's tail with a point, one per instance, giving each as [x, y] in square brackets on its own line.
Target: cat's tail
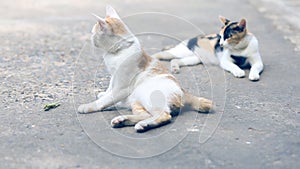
[198, 103]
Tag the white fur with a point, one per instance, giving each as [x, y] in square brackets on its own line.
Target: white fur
[136, 79]
[138, 86]
[180, 55]
[114, 62]
[249, 46]
[131, 82]
[181, 51]
[155, 92]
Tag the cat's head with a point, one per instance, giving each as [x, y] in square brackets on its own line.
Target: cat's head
[110, 33]
[232, 32]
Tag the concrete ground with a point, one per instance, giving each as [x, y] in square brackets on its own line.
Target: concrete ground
[46, 57]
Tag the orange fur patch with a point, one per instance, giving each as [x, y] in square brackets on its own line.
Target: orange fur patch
[163, 117]
[176, 101]
[159, 69]
[145, 61]
[236, 37]
[116, 25]
[171, 77]
[138, 109]
[206, 44]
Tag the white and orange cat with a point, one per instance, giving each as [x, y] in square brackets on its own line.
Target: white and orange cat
[136, 79]
[234, 47]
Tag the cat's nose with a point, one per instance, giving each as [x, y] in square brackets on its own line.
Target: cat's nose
[221, 44]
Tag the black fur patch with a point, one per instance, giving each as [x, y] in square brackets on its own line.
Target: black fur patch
[238, 29]
[218, 48]
[226, 21]
[192, 43]
[228, 30]
[211, 37]
[241, 61]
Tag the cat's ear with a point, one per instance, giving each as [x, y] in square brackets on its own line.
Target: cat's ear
[224, 20]
[242, 23]
[100, 22]
[99, 19]
[111, 12]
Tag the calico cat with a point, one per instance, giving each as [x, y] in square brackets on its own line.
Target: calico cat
[234, 47]
[137, 79]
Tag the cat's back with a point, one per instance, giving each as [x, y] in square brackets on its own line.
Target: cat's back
[209, 42]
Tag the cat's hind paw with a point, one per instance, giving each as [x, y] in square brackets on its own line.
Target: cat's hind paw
[175, 66]
[141, 126]
[175, 70]
[118, 121]
[205, 105]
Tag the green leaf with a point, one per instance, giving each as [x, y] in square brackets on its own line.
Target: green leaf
[47, 107]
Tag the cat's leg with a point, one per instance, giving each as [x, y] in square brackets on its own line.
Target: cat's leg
[186, 61]
[198, 103]
[109, 99]
[256, 67]
[100, 94]
[227, 64]
[164, 55]
[232, 68]
[139, 114]
[154, 121]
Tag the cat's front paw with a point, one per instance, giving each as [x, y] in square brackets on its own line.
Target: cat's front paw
[238, 73]
[174, 66]
[87, 108]
[141, 126]
[254, 76]
[82, 109]
[118, 121]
